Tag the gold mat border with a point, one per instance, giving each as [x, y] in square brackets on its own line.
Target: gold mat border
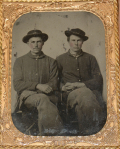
[32, 1]
[117, 69]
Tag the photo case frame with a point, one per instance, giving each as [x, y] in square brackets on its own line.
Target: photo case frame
[107, 11]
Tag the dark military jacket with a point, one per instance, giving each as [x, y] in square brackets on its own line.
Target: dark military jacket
[30, 70]
[83, 68]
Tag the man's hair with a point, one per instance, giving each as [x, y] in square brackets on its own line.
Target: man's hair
[68, 38]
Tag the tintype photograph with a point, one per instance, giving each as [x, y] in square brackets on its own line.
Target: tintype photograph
[58, 74]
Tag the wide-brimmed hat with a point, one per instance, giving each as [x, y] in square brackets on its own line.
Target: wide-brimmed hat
[78, 32]
[35, 33]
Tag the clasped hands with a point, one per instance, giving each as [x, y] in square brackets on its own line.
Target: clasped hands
[42, 87]
[71, 86]
[45, 88]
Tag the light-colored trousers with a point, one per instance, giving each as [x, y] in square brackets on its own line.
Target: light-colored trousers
[49, 121]
[89, 113]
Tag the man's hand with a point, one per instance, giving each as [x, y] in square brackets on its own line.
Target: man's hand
[71, 86]
[44, 88]
[64, 89]
[68, 87]
[79, 84]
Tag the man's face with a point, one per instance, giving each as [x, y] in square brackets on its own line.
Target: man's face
[75, 43]
[35, 44]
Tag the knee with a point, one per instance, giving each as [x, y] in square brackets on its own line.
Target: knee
[80, 96]
[41, 99]
[87, 100]
[81, 93]
[85, 91]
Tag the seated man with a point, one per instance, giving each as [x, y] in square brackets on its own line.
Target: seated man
[35, 80]
[81, 84]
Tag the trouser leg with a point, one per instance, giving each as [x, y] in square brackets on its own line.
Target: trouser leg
[87, 109]
[49, 121]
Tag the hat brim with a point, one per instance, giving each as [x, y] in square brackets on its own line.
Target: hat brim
[27, 37]
[69, 33]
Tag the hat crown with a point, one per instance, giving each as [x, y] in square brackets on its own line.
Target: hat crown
[78, 31]
[34, 32]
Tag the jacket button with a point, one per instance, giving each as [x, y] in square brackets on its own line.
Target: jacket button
[77, 69]
[79, 80]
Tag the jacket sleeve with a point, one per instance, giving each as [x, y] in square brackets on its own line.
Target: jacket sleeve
[53, 75]
[18, 78]
[96, 83]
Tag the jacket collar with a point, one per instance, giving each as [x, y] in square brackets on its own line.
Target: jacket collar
[34, 56]
[80, 54]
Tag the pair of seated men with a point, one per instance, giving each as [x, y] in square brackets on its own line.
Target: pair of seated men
[75, 74]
